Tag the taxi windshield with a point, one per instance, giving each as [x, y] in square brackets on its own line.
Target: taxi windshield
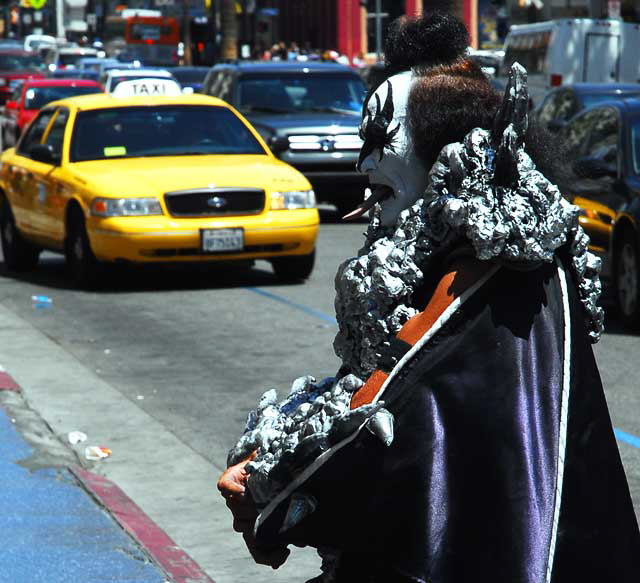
[38, 97]
[168, 130]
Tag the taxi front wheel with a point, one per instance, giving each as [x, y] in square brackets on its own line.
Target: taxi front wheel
[19, 254]
[84, 267]
[294, 268]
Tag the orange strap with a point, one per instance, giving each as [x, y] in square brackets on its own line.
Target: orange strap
[460, 278]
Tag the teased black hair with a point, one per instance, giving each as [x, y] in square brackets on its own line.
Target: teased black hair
[436, 38]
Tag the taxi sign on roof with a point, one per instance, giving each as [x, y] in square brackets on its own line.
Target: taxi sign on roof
[147, 87]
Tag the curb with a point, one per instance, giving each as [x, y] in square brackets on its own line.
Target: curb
[175, 562]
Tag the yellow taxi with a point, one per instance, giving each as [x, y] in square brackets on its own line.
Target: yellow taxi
[152, 179]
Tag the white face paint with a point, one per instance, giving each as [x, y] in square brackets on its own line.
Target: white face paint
[397, 176]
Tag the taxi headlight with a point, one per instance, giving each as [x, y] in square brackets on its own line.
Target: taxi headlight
[125, 207]
[293, 199]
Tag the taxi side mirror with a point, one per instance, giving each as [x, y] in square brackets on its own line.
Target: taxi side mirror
[279, 144]
[43, 153]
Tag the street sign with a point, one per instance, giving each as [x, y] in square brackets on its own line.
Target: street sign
[37, 4]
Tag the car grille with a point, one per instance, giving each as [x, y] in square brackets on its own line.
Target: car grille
[324, 143]
[214, 202]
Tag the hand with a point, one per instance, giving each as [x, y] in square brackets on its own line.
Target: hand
[233, 487]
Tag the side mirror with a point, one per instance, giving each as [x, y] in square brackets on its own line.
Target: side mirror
[279, 144]
[43, 153]
[594, 168]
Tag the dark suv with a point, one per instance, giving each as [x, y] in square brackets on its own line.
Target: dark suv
[308, 113]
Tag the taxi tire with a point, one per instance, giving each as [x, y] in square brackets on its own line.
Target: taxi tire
[84, 267]
[626, 278]
[19, 255]
[294, 268]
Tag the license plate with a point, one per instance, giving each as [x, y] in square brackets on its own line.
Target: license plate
[216, 240]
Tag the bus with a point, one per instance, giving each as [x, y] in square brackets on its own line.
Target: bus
[142, 34]
[154, 40]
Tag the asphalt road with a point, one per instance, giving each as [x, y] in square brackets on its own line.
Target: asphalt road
[163, 365]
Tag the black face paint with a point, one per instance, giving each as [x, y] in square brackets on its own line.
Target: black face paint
[375, 133]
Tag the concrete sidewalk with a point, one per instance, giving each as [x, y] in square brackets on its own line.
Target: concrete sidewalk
[60, 523]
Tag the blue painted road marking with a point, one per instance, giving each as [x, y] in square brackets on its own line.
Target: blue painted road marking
[301, 307]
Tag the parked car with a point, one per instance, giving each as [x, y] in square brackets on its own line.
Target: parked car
[29, 97]
[308, 113]
[190, 76]
[16, 67]
[112, 77]
[605, 141]
[561, 104]
[151, 180]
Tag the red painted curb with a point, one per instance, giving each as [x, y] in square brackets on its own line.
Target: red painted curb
[175, 562]
[7, 383]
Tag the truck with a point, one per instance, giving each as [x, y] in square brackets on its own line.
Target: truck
[574, 50]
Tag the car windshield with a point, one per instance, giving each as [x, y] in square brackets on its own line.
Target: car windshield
[591, 99]
[37, 97]
[287, 93]
[9, 62]
[190, 75]
[70, 59]
[171, 130]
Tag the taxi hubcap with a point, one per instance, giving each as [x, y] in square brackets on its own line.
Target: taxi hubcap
[628, 279]
[8, 232]
[77, 248]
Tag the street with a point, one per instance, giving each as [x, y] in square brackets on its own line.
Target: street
[163, 365]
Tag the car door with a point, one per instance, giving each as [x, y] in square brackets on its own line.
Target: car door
[52, 189]
[23, 183]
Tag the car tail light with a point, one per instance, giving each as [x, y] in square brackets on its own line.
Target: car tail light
[556, 80]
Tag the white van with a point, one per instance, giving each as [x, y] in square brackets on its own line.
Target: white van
[559, 52]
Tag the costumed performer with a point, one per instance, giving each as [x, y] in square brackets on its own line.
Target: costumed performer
[466, 436]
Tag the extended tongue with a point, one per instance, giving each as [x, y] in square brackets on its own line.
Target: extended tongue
[379, 193]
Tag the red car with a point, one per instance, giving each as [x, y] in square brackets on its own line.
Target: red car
[31, 95]
[15, 67]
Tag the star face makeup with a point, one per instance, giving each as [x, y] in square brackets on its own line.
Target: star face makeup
[398, 178]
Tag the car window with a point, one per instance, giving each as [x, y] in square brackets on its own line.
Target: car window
[214, 83]
[168, 130]
[55, 137]
[576, 134]
[301, 92]
[35, 132]
[226, 85]
[603, 142]
[17, 93]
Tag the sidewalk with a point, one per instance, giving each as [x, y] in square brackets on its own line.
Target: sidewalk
[60, 523]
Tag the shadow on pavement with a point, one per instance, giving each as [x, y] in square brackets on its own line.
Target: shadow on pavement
[52, 273]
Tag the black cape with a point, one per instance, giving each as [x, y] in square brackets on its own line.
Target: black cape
[504, 467]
